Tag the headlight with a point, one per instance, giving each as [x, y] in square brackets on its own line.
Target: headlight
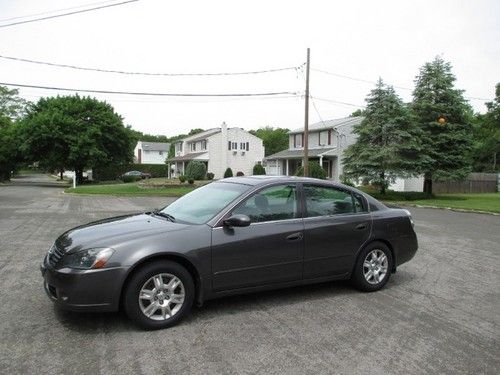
[88, 259]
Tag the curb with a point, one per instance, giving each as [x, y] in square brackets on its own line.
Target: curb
[450, 209]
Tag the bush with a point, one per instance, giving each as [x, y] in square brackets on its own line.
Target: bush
[315, 171]
[196, 170]
[239, 174]
[258, 169]
[228, 173]
[191, 181]
[391, 195]
[182, 178]
[210, 176]
[130, 178]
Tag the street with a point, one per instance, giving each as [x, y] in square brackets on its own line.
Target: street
[440, 312]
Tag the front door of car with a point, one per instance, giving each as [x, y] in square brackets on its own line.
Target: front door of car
[336, 224]
[269, 250]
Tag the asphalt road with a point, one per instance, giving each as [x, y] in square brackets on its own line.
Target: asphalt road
[440, 313]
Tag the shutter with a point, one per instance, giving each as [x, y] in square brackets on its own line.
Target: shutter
[294, 141]
[330, 136]
[248, 146]
[229, 145]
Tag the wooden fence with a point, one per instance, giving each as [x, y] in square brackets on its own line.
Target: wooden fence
[474, 183]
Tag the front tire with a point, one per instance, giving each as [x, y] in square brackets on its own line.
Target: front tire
[373, 267]
[158, 295]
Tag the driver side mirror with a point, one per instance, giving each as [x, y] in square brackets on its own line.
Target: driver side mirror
[237, 220]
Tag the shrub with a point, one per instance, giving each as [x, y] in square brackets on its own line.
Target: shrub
[210, 176]
[130, 178]
[191, 181]
[239, 174]
[258, 169]
[196, 170]
[315, 171]
[228, 173]
[182, 178]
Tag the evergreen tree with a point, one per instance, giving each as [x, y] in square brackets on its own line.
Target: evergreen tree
[444, 115]
[388, 143]
[487, 137]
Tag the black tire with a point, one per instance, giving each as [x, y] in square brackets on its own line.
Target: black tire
[358, 275]
[131, 303]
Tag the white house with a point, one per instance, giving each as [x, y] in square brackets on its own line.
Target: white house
[327, 141]
[220, 148]
[151, 152]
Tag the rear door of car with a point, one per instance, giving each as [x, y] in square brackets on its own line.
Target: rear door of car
[269, 250]
[336, 224]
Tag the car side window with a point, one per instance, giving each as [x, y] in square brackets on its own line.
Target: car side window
[273, 203]
[326, 200]
[359, 203]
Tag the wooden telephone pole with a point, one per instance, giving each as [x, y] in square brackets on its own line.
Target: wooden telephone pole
[306, 121]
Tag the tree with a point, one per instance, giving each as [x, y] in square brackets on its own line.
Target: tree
[357, 113]
[274, 140]
[12, 108]
[258, 169]
[486, 129]
[445, 117]
[388, 143]
[73, 132]
[228, 173]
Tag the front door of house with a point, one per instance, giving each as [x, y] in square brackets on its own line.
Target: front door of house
[326, 167]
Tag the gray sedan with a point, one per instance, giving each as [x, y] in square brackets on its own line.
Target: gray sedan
[236, 235]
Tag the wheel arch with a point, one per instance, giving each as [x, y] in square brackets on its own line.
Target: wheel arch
[385, 242]
[183, 261]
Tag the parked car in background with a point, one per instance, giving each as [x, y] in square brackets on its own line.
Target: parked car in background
[136, 174]
[235, 235]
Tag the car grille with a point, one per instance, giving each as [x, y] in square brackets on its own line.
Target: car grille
[55, 255]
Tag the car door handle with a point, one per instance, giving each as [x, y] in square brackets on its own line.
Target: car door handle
[294, 237]
[361, 226]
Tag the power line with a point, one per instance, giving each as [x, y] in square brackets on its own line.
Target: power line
[373, 82]
[145, 73]
[55, 11]
[148, 93]
[339, 102]
[68, 14]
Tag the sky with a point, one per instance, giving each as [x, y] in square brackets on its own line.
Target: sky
[357, 41]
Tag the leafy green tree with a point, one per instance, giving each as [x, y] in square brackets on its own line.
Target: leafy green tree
[487, 137]
[357, 113]
[73, 132]
[315, 171]
[445, 117]
[12, 108]
[274, 140]
[388, 143]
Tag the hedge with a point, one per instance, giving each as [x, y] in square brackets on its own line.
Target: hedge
[112, 172]
[315, 171]
[196, 170]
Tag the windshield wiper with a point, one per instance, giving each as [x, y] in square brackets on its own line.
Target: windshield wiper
[165, 215]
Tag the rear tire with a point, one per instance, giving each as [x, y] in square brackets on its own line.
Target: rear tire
[373, 267]
[159, 295]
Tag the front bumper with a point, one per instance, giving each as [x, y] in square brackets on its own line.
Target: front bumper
[84, 290]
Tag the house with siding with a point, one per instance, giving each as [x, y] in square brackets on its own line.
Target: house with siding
[219, 148]
[151, 152]
[327, 142]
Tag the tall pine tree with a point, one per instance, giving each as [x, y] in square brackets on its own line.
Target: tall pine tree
[444, 115]
[388, 143]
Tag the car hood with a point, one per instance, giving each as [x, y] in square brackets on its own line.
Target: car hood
[113, 231]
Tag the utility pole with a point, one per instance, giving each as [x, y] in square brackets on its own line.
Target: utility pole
[306, 121]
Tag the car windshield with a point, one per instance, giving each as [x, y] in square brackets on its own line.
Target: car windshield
[204, 203]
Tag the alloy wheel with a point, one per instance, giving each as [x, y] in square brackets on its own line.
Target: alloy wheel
[162, 296]
[375, 266]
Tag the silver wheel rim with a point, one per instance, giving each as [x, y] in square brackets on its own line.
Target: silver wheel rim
[375, 266]
[162, 296]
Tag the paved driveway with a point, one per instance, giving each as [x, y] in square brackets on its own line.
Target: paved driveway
[439, 313]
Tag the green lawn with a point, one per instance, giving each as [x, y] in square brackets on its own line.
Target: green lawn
[130, 189]
[489, 202]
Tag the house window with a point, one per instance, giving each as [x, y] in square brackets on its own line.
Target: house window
[243, 146]
[178, 147]
[234, 145]
[324, 138]
[298, 140]
[204, 144]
